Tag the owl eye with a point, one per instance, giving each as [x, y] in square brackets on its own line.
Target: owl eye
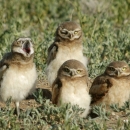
[66, 70]
[124, 68]
[111, 69]
[64, 32]
[79, 71]
[75, 32]
[19, 42]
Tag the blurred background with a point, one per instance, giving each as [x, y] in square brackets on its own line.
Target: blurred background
[105, 24]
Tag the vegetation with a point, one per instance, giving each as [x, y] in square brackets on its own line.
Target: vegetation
[106, 28]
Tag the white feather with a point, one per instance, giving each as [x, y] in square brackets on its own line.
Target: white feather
[64, 53]
[118, 93]
[18, 83]
[75, 92]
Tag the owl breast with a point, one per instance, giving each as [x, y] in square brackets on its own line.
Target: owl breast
[75, 92]
[119, 92]
[18, 83]
[65, 53]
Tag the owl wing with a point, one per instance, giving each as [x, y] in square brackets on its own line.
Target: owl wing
[52, 51]
[2, 70]
[89, 82]
[4, 64]
[56, 90]
[100, 87]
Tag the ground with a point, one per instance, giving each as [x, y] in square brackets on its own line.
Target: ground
[115, 117]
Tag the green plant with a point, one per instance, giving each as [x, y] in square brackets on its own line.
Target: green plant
[106, 29]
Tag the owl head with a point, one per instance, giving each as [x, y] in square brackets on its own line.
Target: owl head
[72, 69]
[69, 31]
[118, 69]
[23, 46]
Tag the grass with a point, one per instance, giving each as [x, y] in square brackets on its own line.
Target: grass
[106, 28]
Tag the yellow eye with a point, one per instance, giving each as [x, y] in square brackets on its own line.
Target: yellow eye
[75, 32]
[18, 43]
[124, 68]
[79, 71]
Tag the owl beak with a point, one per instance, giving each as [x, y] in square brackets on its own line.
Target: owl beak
[26, 47]
[118, 72]
[70, 36]
[72, 73]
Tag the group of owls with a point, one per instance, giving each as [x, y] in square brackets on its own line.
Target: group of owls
[66, 72]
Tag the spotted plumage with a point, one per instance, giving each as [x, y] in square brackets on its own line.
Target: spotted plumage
[67, 45]
[71, 86]
[113, 86]
[18, 72]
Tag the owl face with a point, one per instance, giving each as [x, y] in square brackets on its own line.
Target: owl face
[69, 30]
[23, 46]
[118, 69]
[72, 69]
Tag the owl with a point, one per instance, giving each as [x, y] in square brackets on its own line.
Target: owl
[67, 45]
[18, 73]
[113, 86]
[71, 86]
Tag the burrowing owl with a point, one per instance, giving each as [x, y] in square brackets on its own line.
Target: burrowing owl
[71, 86]
[112, 87]
[67, 45]
[18, 72]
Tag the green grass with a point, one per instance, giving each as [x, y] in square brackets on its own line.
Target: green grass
[106, 28]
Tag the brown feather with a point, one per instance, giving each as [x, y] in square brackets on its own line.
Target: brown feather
[52, 51]
[67, 45]
[113, 86]
[56, 90]
[100, 88]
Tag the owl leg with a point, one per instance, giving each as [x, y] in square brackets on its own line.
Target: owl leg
[17, 108]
